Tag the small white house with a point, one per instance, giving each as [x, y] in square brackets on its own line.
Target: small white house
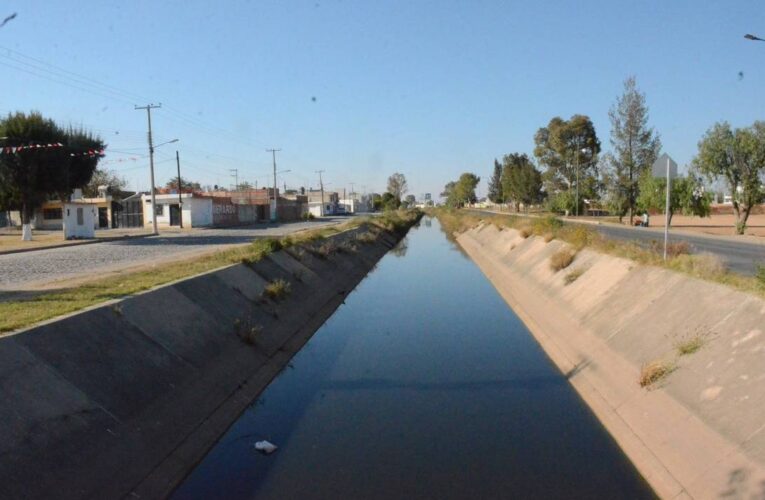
[79, 220]
[197, 211]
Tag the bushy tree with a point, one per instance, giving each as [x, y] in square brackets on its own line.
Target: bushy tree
[462, 191]
[687, 195]
[397, 185]
[521, 181]
[738, 156]
[568, 149]
[496, 192]
[390, 202]
[30, 176]
[636, 146]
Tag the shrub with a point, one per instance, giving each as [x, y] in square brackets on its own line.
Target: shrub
[525, 232]
[562, 258]
[277, 289]
[704, 265]
[674, 248]
[654, 372]
[366, 238]
[308, 216]
[548, 237]
[573, 276]
[250, 335]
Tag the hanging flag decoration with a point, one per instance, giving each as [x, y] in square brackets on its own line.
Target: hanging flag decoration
[18, 149]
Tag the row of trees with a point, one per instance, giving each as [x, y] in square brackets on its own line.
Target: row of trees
[568, 152]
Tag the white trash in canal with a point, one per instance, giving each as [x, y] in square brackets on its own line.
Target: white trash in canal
[265, 447]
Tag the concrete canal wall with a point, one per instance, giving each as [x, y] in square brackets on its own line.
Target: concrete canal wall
[698, 432]
[125, 398]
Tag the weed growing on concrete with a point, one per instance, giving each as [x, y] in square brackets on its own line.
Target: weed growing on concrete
[562, 258]
[251, 335]
[674, 248]
[654, 372]
[691, 343]
[324, 250]
[548, 237]
[366, 238]
[525, 232]
[277, 289]
[573, 276]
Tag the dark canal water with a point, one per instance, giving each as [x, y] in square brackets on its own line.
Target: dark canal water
[424, 384]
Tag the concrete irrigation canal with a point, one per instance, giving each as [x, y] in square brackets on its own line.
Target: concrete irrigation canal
[423, 384]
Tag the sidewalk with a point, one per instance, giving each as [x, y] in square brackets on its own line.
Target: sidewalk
[10, 239]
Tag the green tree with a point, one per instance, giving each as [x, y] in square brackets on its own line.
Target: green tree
[461, 192]
[569, 151]
[687, 195]
[450, 198]
[30, 176]
[738, 156]
[636, 146]
[521, 181]
[390, 202]
[397, 185]
[496, 191]
[410, 200]
[616, 185]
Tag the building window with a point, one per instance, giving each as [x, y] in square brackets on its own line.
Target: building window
[80, 217]
[52, 214]
[160, 208]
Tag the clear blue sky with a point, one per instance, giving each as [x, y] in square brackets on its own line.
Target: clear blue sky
[427, 88]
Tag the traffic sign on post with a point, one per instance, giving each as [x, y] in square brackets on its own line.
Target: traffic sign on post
[665, 166]
[659, 168]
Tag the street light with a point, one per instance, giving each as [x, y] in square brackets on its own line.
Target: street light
[152, 147]
[753, 38]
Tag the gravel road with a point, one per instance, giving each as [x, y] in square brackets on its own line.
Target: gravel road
[42, 266]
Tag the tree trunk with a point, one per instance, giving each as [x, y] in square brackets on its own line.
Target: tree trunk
[26, 227]
[741, 218]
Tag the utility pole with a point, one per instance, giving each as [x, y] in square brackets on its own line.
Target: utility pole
[321, 185]
[273, 206]
[235, 174]
[352, 193]
[180, 201]
[148, 109]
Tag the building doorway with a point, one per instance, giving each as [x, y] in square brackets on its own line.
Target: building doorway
[103, 218]
[175, 215]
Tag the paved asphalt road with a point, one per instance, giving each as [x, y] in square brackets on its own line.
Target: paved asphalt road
[43, 266]
[740, 256]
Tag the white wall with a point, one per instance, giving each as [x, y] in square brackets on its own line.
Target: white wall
[201, 212]
[89, 218]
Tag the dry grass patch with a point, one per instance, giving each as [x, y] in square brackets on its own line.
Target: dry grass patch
[277, 289]
[573, 276]
[366, 238]
[548, 237]
[525, 232]
[654, 372]
[562, 259]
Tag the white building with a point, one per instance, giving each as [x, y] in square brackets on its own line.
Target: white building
[197, 211]
[79, 220]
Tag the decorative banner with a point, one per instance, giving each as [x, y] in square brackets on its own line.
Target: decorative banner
[17, 149]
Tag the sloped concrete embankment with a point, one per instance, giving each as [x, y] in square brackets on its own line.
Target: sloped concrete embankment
[698, 432]
[125, 398]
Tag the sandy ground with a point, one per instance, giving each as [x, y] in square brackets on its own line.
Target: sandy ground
[716, 224]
